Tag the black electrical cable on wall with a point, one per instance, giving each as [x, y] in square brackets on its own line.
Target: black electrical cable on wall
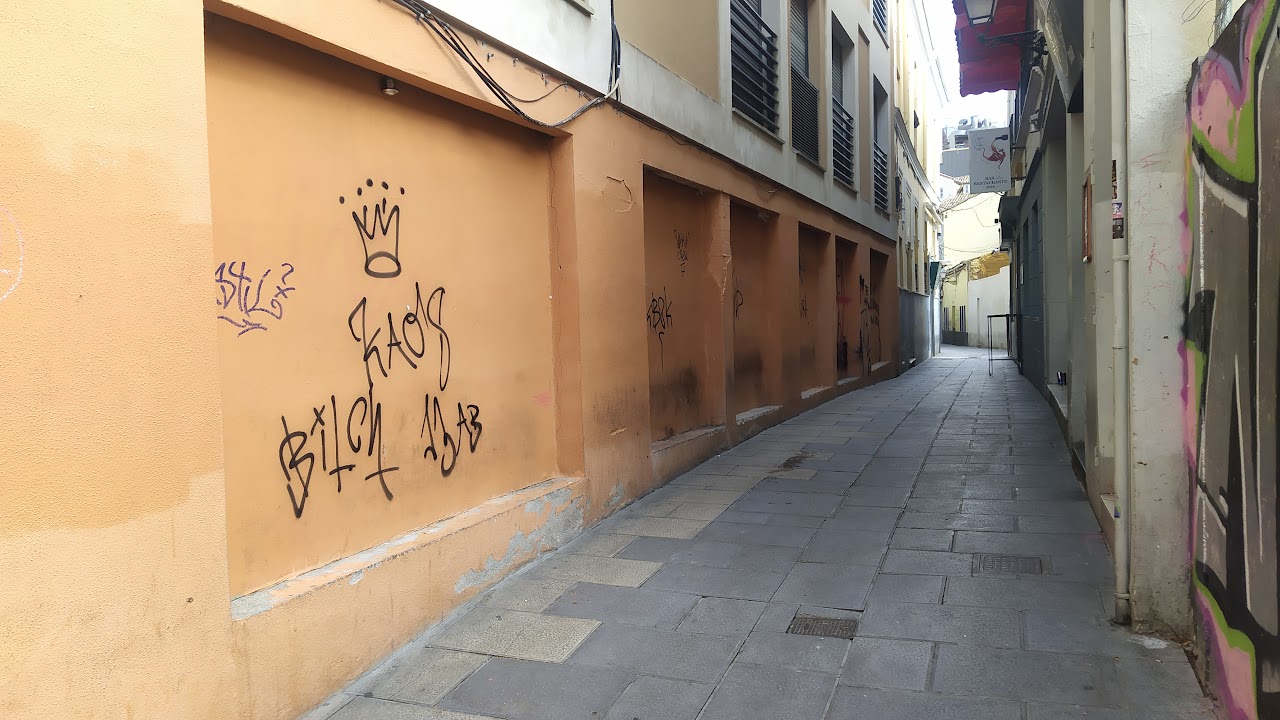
[445, 32]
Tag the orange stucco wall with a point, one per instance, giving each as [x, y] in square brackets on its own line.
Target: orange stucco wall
[682, 294]
[112, 525]
[385, 333]
[146, 431]
[847, 308]
[815, 314]
[757, 359]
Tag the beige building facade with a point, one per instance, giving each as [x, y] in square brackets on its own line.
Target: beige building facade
[920, 96]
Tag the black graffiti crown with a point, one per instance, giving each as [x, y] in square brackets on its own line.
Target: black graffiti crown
[379, 233]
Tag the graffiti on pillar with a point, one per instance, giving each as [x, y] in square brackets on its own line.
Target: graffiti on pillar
[658, 317]
[842, 304]
[1231, 356]
[804, 299]
[682, 250]
[868, 326]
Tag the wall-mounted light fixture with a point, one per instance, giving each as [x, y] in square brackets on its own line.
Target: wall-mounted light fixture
[983, 12]
[980, 12]
[389, 86]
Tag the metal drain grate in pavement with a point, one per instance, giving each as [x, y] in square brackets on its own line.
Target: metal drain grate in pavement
[1007, 565]
[823, 627]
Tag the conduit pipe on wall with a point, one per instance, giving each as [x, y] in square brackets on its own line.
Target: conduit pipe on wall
[1120, 362]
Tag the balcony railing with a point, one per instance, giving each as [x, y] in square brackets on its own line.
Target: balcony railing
[880, 177]
[842, 143]
[754, 58]
[880, 15]
[804, 115]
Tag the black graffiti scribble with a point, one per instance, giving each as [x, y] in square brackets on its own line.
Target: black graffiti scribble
[361, 432]
[659, 319]
[682, 249]
[409, 342]
[291, 464]
[379, 235]
[738, 302]
[804, 306]
[869, 340]
[240, 295]
[842, 301]
[433, 421]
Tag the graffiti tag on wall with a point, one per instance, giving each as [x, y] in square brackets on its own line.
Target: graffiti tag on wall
[869, 344]
[1231, 355]
[379, 231]
[682, 250]
[842, 303]
[343, 435]
[240, 294]
[658, 318]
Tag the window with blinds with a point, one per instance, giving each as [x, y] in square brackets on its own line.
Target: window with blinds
[800, 35]
[754, 64]
[804, 94]
[842, 125]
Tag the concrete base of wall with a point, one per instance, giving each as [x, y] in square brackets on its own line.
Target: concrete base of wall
[677, 454]
[401, 587]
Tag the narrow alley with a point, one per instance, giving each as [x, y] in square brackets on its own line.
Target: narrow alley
[975, 578]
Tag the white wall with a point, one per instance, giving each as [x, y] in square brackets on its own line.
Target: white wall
[970, 228]
[1158, 40]
[559, 34]
[989, 296]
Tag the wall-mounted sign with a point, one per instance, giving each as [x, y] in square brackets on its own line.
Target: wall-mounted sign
[989, 161]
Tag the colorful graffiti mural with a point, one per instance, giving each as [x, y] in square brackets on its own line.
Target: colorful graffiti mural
[1232, 358]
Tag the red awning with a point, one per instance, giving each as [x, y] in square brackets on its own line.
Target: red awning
[988, 69]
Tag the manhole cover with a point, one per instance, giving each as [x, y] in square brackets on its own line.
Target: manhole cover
[1007, 565]
[823, 627]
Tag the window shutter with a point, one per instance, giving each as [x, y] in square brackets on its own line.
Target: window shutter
[800, 36]
[837, 70]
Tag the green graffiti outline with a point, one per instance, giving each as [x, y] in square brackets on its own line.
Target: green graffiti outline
[1241, 131]
[1235, 638]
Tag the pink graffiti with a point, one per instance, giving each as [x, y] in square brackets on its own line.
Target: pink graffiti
[1232, 666]
[1221, 90]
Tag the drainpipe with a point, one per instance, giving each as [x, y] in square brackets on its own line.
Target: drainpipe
[1120, 293]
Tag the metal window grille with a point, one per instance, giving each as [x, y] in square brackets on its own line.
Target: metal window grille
[880, 177]
[754, 59]
[804, 115]
[837, 69]
[804, 94]
[800, 35]
[842, 143]
[880, 15]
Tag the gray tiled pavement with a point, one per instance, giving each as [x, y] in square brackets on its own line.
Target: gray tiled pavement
[871, 507]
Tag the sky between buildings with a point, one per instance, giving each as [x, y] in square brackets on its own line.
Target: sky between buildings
[992, 106]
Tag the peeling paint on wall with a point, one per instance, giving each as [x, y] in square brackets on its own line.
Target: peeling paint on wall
[1231, 356]
[564, 522]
